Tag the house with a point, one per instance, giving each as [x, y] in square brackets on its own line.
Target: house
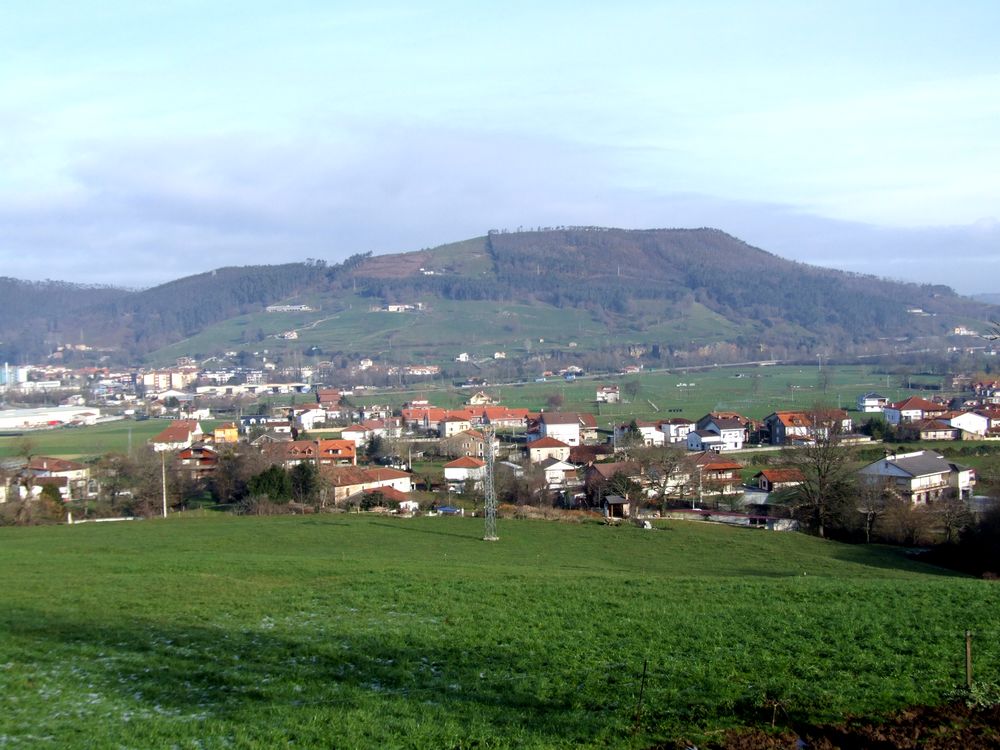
[227, 433]
[328, 397]
[970, 422]
[321, 452]
[356, 433]
[547, 448]
[729, 426]
[505, 417]
[716, 475]
[75, 476]
[563, 426]
[179, 435]
[608, 394]
[480, 398]
[452, 425]
[271, 436]
[929, 429]
[347, 481]
[461, 470]
[558, 474]
[649, 433]
[308, 417]
[872, 402]
[199, 460]
[705, 440]
[772, 480]
[920, 477]
[783, 427]
[676, 430]
[588, 428]
[912, 409]
[470, 443]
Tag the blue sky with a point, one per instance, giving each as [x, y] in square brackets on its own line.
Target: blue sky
[142, 141]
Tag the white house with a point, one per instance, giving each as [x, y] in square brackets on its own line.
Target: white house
[921, 477]
[547, 448]
[608, 394]
[913, 409]
[457, 472]
[970, 422]
[650, 433]
[872, 402]
[564, 427]
[558, 474]
[676, 430]
[731, 429]
[705, 440]
[309, 417]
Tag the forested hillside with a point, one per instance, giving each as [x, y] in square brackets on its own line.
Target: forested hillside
[648, 287]
[642, 275]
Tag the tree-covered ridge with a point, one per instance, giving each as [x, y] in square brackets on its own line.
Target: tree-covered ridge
[662, 273]
[45, 314]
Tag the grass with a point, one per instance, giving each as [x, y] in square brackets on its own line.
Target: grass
[360, 632]
[90, 442]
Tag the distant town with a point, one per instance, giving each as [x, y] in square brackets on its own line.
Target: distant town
[328, 448]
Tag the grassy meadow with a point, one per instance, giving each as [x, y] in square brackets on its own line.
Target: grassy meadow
[346, 631]
[89, 442]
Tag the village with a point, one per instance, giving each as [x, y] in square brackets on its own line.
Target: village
[334, 452]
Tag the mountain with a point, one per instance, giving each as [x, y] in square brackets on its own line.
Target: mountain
[670, 291]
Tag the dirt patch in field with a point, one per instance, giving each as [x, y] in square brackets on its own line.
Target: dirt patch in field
[928, 728]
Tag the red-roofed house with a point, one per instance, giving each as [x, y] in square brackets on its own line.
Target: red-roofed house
[913, 409]
[457, 472]
[546, 448]
[179, 435]
[771, 480]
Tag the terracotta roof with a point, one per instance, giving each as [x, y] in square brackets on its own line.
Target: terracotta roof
[465, 462]
[44, 463]
[778, 476]
[547, 442]
[382, 474]
[915, 402]
[178, 432]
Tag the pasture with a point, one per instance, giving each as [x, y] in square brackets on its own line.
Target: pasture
[347, 631]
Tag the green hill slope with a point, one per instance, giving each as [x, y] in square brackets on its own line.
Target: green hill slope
[366, 632]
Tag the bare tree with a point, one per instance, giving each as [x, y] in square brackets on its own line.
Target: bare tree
[665, 470]
[822, 498]
[872, 498]
[954, 517]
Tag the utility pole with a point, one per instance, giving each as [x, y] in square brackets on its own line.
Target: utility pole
[163, 478]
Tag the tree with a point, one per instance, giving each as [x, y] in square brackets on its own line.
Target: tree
[631, 388]
[872, 499]
[954, 517]
[665, 468]
[905, 523]
[555, 401]
[272, 483]
[822, 498]
[305, 482]
[624, 486]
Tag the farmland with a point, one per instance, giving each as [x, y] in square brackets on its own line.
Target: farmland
[345, 631]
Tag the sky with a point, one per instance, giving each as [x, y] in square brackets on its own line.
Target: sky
[142, 141]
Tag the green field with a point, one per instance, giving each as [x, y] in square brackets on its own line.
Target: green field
[90, 442]
[342, 631]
